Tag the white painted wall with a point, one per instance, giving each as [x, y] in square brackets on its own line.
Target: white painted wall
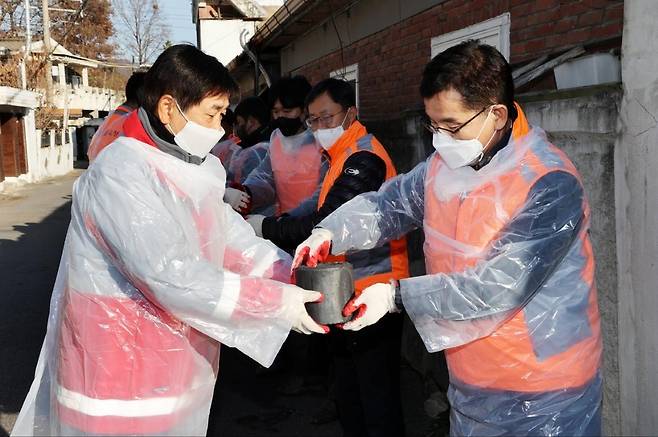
[31, 147]
[636, 191]
[221, 38]
[53, 160]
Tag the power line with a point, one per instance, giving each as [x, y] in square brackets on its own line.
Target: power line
[76, 17]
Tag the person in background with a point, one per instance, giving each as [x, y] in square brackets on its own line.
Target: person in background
[252, 118]
[228, 121]
[111, 128]
[288, 182]
[252, 122]
[157, 271]
[290, 175]
[366, 363]
[509, 292]
[228, 145]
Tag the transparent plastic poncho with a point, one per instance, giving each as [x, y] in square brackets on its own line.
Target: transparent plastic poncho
[156, 272]
[290, 175]
[225, 150]
[244, 161]
[510, 290]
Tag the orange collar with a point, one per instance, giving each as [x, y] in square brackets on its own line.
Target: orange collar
[520, 126]
[348, 139]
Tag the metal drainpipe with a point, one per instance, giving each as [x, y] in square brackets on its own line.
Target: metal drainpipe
[259, 68]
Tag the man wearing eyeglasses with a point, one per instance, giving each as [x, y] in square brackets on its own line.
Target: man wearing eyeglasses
[510, 292]
[366, 363]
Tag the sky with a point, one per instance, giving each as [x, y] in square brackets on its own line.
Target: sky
[178, 14]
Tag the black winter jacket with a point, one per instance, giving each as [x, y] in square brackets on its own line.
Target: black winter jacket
[363, 172]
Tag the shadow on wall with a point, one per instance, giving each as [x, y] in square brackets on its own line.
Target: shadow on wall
[28, 267]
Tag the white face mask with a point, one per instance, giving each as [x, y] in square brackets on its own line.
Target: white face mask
[460, 153]
[195, 139]
[328, 137]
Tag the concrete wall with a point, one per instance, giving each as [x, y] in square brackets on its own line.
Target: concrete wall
[31, 145]
[636, 190]
[582, 122]
[53, 159]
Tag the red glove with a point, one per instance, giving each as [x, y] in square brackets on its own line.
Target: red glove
[315, 249]
[246, 209]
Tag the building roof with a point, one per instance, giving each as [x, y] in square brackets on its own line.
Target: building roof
[287, 23]
[10, 96]
[233, 9]
[292, 20]
[59, 53]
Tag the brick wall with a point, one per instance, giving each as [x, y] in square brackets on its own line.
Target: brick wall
[391, 61]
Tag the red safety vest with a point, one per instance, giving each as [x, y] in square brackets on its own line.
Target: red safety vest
[395, 263]
[506, 360]
[111, 380]
[296, 172]
[110, 130]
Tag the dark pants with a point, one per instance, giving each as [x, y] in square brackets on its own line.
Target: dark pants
[367, 379]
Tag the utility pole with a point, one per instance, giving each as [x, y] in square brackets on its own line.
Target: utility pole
[47, 49]
[26, 51]
[28, 29]
[28, 43]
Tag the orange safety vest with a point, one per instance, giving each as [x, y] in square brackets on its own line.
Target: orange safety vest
[296, 172]
[375, 265]
[507, 359]
[110, 130]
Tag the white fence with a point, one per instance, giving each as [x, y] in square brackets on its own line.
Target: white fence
[87, 98]
[54, 153]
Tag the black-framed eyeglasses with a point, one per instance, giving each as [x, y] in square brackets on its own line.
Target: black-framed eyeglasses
[436, 129]
[325, 119]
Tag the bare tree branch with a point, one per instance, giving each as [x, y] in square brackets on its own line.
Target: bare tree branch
[142, 29]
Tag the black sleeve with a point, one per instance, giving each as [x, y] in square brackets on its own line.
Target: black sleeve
[363, 172]
[523, 256]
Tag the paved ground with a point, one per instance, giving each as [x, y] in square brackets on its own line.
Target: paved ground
[33, 224]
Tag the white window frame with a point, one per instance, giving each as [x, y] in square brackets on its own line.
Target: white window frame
[498, 26]
[349, 73]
